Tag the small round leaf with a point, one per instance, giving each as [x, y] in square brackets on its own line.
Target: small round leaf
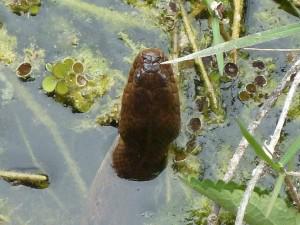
[78, 67]
[49, 83]
[34, 10]
[69, 63]
[60, 70]
[61, 88]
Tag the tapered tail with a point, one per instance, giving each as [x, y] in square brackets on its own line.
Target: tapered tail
[138, 163]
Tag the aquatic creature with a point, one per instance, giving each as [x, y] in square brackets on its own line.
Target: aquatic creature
[150, 117]
[149, 122]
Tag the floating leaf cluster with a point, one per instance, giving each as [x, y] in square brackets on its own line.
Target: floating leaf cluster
[70, 84]
[252, 90]
[20, 7]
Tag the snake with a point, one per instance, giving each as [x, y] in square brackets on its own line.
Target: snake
[131, 178]
[149, 118]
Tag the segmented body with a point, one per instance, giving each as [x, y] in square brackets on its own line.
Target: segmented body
[150, 117]
[149, 122]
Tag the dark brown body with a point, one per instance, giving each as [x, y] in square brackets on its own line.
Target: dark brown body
[150, 117]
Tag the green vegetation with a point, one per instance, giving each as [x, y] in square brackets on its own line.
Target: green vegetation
[229, 196]
[7, 46]
[69, 83]
[20, 7]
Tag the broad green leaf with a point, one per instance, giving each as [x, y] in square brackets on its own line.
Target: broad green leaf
[258, 149]
[229, 197]
[249, 40]
[275, 193]
[291, 152]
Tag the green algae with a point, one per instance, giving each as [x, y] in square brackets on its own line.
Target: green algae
[8, 45]
[110, 116]
[135, 47]
[112, 17]
[294, 111]
[19, 7]
[67, 33]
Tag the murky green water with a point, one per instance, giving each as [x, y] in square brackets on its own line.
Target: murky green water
[37, 132]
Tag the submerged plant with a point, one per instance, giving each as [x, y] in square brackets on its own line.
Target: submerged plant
[20, 7]
[7, 46]
[68, 83]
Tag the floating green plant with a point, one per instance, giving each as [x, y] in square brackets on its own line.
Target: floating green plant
[244, 96]
[260, 80]
[194, 125]
[67, 84]
[231, 70]
[24, 70]
[49, 83]
[20, 7]
[251, 88]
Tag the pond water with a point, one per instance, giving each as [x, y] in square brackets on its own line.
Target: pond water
[38, 133]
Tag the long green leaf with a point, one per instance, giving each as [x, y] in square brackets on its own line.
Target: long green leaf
[229, 196]
[258, 149]
[217, 39]
[252, 39]
[275, 193]
[291, 152]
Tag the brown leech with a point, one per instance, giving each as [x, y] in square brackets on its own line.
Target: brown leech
[150, 117]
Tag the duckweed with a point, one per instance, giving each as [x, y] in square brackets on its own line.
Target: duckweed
[68, 85]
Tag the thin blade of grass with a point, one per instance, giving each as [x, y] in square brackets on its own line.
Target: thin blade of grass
[258, 148]
[217, 39]
[252, 39]
[275, 193]
[291, 152]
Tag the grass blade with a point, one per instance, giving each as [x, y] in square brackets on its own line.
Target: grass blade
[291, 152]
[217, 40]
[257, 148]
[252, 39]
[275, 193]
